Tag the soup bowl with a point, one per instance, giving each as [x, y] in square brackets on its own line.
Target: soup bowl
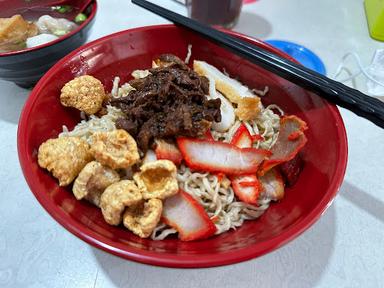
[25, 67]
[325, 154]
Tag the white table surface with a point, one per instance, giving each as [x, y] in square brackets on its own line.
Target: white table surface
[345, 248]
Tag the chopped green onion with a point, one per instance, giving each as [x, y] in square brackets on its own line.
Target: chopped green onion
[62, 9]
[60, 32]
[80, 18]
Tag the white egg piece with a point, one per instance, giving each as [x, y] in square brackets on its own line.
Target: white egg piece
[40, 39]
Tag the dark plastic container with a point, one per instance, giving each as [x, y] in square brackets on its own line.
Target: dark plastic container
[26, 67]
[215, 12]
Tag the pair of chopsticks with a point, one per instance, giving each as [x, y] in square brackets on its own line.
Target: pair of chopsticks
[333, 91]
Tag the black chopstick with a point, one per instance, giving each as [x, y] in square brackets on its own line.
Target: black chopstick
[336, 92]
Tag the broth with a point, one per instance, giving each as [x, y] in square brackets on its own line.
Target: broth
[37, 26]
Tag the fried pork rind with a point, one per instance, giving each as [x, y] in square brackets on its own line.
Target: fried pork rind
[157, 179]
[64, 157]
[116, 197]
[143, 218]
[85, 93]
[249, 105]
[92, 181]
[116, 149]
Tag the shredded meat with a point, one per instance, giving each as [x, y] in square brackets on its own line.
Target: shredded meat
[171, 101]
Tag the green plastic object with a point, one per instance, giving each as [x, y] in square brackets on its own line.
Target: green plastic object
[374, 9]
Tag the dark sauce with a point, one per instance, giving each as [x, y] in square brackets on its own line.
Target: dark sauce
[215, 12]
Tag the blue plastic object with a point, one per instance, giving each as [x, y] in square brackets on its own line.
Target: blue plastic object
[303, 55]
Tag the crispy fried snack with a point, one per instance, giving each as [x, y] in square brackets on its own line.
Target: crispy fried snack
[116, 149]
[143, 218]
[248, 108]
[14, 32]
[92, 181]
[157, 179]
[64, 157]
[85, 93]
[116, 197]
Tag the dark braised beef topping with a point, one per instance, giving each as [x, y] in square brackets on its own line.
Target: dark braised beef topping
[170, 102]
[165, 60]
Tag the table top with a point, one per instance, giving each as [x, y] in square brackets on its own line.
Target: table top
[343, 249]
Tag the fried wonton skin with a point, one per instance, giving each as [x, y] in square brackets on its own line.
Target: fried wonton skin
[116, 198]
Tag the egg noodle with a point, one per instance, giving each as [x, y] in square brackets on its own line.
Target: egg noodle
[213, 192]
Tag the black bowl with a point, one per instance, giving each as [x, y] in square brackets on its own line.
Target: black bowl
[26, 67]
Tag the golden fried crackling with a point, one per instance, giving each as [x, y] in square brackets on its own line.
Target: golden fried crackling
[143, 218]
[116, 149]
[248, 108]
[64, 157]
[157, 179]
[92, 181]
[85, 93]
[116, 197]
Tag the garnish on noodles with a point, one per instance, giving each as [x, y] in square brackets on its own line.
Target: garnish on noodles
[191, 152]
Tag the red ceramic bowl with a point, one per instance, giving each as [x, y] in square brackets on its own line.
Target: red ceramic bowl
[25, 67]
[325, 154]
